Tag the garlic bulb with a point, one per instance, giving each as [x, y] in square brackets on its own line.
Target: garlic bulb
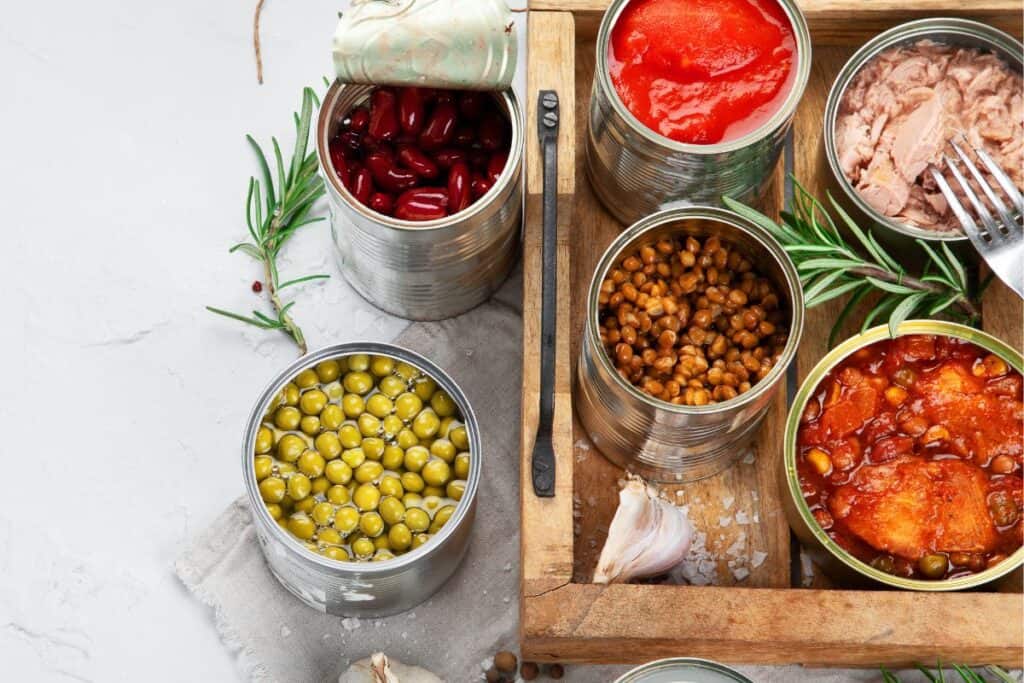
[648, 535]
[380, 669]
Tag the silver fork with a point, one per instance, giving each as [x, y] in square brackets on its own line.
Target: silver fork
[999, 239]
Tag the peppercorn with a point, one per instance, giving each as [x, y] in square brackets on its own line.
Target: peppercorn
[505, 661]
[492, 675]
[257, 286]
[529, 671]
[556, 671]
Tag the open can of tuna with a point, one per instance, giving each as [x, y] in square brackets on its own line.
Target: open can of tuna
[683, 670]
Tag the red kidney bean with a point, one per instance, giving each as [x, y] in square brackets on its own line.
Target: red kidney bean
[458, 187]
[479, 187]
[351, 142]
[382, 203]
[359, 120]
[338, 161]
[471, 105]
[383, 114]
[495, 165]
[410, 110]
[387, 175]
[440, 128]
[478, 159]
[447, 157]
[362, 185]
[417, 162]
[422, 204]
[464, 136]
[492, 132]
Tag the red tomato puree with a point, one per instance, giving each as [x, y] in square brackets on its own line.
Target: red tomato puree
[702, 71]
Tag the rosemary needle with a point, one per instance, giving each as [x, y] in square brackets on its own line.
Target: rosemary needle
[830, 267]
[274, 213]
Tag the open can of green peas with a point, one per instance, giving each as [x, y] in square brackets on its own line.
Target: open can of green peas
[361, 464]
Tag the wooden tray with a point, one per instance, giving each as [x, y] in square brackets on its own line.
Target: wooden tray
[766, 616]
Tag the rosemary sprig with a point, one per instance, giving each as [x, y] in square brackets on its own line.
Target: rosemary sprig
[830, 267]
[275, 213]
[967, 674]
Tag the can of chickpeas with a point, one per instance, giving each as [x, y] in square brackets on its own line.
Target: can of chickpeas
[361, 464]
[693, 316]
[410, 262]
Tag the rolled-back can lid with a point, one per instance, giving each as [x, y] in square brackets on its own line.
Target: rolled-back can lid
[683, 670]
[458, 44]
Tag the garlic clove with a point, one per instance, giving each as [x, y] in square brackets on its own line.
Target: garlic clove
[648, 535]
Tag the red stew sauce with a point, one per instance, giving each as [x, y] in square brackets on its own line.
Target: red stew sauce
[910, 456]
[702, 71]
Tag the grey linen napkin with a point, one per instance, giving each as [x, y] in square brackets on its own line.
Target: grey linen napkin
[277, 638]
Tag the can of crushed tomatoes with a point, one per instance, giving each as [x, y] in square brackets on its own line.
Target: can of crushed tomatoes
[822, 549]
[636, 171]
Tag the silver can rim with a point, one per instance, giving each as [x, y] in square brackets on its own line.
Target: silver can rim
[789, 448]
[682, 664]
[714, 214]
[918, 29]
[802, 35]
[508, 176]
[401, 353]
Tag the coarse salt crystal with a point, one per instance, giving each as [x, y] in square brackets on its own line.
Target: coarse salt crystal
[727, 501]
[350, 623]
[749, 458]
[507, 567]
[724, 521]
[742, 517]
[740, 573]
[285, 631]
[757, 558]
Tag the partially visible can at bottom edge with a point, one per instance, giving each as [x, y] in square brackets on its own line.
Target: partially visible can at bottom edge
[683, 670]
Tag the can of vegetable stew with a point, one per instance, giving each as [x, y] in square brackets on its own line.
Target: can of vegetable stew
[663, 441]
[363, 589]
[424, 270]
[636, 171]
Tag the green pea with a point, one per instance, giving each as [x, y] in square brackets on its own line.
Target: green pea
[313, 401]
[363, 548]
[406, 372]
[391, 386]
[382, 542]
[371, 524]
[290, 447]
[346, 520]
[353, 405]
[366, 497]
[412, 482]
[392, 510]
[383, 555]
[263, 466]
[426, 424]
[373, 447]
[400, 536]
[334, 390]
[287, 417]
[460, 438]
[368, 471]
[444, 449]
[379, 405]
[431, 503]
[290, 393]
[311, 463]
[353, 457]
[305, 505]
[415, 458]
[358, 382]
[320, 486]
[462, 465]
[310, 424]
[328, 370]
[359, 362]
[332, 416]
[323, 514]
[369, 425]
[286, 468]
[328, 536]
[446, 426]
[264, 440]
[299, 486]
[349, 436]
[338, 495]
[412, 500]
[338, 472]
[382, 366]
[419, 539]
[443, 404]
[301, 526]
[391, 425]
[391, 486]
[275, 510]
[406, 439]
[306, 379]
[328, 444]
[393, 457]
[425, 388]
[272, 490]
[433, 492]
[407, 406]
[933, 565]
[456, 489]
[336, 553]
[417, 519]
[441, 518]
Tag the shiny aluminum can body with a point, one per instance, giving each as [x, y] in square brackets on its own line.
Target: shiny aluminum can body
[825, 552]
[363, 589]
[656, 439]
[894, 235]
[426, 270]
[635, 171]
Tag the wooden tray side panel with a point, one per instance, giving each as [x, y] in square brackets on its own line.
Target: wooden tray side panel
[546, 523]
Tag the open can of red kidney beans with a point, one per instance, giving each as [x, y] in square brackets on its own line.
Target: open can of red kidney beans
[424, 269]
